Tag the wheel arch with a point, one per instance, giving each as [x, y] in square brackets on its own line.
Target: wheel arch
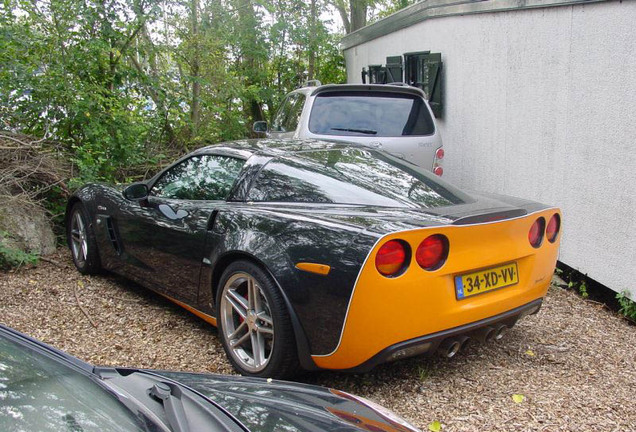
[302, 344]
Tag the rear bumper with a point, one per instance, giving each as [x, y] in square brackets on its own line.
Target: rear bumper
[429, 343]
[385, 312]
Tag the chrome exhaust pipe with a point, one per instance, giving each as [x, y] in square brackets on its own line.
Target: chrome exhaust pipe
[464, 341]
[450, 347]
[485, 334]
[501, 331]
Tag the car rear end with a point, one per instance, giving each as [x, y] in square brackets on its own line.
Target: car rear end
[437, 288]
[396, 119]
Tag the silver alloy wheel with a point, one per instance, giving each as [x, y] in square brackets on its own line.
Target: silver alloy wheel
[79, 242]
[247, 322]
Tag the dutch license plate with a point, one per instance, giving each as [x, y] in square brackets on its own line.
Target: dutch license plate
[481, 281]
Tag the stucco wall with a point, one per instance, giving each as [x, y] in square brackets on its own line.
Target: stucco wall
[541, 104]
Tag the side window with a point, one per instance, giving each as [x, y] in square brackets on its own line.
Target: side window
[205, 177]
[349, 176]
[287, 182]
[295, 110]
[287, 117]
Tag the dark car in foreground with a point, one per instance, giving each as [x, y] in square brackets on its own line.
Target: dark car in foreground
[321, 255]
[43, 389]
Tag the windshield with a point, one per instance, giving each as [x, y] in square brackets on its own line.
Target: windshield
[373, 114]
[38, 393]
[351, 176]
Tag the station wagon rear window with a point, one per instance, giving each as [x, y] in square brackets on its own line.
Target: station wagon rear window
[350, 176]
[372, 114]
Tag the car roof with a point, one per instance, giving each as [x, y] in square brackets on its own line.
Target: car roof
[383, 88]
[379, 88]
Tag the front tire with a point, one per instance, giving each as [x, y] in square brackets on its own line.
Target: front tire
[81, 240]
[254, 323]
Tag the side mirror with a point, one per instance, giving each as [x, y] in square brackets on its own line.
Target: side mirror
[136, 192]
[260, 127]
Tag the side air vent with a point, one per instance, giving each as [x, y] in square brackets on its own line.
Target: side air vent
[112, 235]
[212, 220]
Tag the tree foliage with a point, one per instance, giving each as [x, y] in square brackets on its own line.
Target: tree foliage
[124, 84]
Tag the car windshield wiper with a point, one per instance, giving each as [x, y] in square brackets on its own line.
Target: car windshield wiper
[171, 400]
[363, 131]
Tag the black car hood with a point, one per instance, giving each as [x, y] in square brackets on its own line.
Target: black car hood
[266, 405]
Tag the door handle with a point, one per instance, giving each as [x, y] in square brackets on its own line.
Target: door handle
[168, 212]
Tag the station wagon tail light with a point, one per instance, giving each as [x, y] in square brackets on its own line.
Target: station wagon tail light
[535, 235]
[391, 258]
[554, 225]
[437, 162]
[431, 254]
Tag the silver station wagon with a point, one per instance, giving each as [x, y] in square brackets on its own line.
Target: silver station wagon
[394, 118]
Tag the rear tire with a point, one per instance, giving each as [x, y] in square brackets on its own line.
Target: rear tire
[254, 323]
[81, 240]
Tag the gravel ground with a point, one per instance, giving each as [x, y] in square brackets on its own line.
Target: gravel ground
[574, 363]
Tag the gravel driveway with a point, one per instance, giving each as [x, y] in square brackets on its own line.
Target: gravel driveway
[574, 363]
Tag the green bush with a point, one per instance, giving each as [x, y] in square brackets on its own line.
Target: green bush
[11, 257]
[628, 307]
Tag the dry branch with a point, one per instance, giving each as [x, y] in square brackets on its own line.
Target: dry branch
[29, 168]
[84, 311]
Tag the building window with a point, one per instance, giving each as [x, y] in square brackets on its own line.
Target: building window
[420, 69]
[424, 70]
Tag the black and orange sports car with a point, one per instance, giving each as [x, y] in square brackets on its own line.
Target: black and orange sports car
[321, 255]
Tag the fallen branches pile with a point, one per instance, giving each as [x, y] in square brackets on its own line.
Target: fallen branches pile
[29, 168]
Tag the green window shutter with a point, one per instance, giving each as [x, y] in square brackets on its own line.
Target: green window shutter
[394, 69]
[433, 66]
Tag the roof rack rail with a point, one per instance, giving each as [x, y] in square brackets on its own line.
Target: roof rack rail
[312, 83]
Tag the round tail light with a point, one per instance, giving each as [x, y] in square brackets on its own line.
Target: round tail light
[431, 254]
[439, 154]
[438, 170]
[554, 225]
[391, 258]
[535, 235]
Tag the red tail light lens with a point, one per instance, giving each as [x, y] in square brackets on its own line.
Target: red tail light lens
[391, 258]
[438, 170]
[439, 154]
[431, 254]
[554, 225]
[535, 235]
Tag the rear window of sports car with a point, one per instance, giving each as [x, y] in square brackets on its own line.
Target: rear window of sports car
[371, 114]
[350, 176]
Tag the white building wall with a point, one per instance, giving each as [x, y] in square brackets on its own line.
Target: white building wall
[541, 104]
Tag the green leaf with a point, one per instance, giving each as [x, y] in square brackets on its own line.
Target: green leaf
[435, 426]
[518, 398]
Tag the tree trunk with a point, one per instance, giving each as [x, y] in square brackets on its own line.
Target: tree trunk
[358, 14]
[157, 98]
[312, 42]
[195, 110]
[249, 62]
